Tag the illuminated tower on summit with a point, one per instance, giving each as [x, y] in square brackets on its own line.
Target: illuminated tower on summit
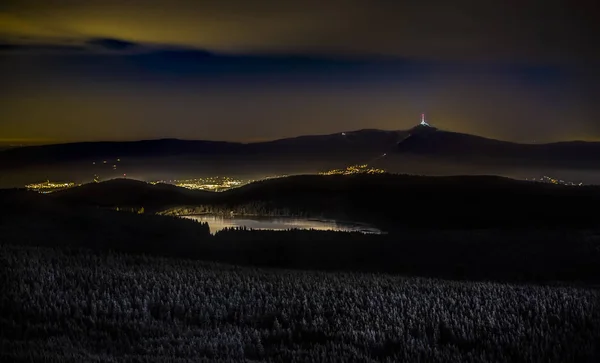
[423, 122]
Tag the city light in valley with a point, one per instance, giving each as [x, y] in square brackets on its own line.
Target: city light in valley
[213, 184]
[223, 183]
[550, 180]
[49, 187]
[354, 169]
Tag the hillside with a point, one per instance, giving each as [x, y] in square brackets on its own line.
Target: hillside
[57, 153]
[401, 201]
[108, 304]
[366, 140]
[349, 147]
[29, 218]
[446, 145]
[129, 193]
[472, 238]
[388, 201]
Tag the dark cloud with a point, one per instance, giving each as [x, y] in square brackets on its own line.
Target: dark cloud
[40, 48]
[111, 44]
[65, 47]
[505, 30]
[187, 66]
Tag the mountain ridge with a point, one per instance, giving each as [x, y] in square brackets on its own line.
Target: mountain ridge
[448, 143]
[363, 130]
[420, 140]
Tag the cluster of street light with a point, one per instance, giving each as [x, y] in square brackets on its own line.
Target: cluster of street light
[215, 184]
[48, 186]
[354, 169]
[550, 180]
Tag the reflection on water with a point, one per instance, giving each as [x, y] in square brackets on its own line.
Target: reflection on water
[218, 223]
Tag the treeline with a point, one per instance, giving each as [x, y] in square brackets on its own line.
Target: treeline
[523, 255]
[255, 208]
[66, 305]
[398, 202]
[42, 223]
[534, 254]
[389, 202]
[517, 255]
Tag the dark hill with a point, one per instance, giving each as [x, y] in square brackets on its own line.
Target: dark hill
[30, 218]
[550, 251]
[317, 145]
[442, 145]
[367, 184]
[388, 201]
[130, 193]
[343, 148]
[399, 201]
[351, 141]
[435, 142]
[39, 155]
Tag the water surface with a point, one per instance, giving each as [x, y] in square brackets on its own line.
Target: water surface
[217, 223]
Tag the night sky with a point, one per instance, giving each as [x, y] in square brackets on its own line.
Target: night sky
[88, 70]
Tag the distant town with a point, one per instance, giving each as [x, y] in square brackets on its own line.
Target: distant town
[49, 187]
[215, 184]
[354, 169]
[223, 183]
[550, 180]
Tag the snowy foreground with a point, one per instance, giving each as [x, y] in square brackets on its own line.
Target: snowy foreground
[79, 306]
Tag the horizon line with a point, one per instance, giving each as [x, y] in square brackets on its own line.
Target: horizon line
[37, 142]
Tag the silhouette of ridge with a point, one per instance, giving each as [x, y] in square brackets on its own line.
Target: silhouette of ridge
[419, 140]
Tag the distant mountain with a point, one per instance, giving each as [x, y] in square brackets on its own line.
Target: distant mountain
[343, 142]
[344, 148]
[366, 139]
[57, 153]
[446, 145]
